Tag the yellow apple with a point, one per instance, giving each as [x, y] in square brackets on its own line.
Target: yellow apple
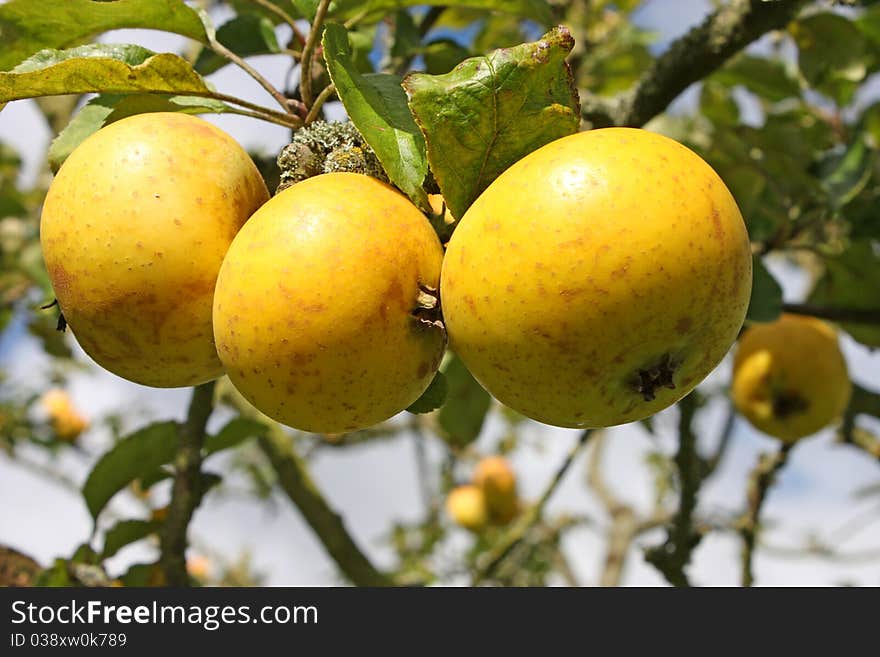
[133, 231]
[497, 480]
[790, 378]
[597, 280]
[466, 505]
[319, 312]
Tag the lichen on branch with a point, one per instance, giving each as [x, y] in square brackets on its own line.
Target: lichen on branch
[690, 59]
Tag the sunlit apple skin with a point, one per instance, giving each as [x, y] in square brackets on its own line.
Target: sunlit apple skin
[599, 279]
[316, 312]
[133, 231]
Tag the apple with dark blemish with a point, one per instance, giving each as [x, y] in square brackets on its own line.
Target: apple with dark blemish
[629, 282]
[789, 377]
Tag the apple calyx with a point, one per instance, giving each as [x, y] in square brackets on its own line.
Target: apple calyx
[659, 375]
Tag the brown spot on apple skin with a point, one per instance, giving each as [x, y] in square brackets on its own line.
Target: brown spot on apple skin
[392, 297]
[716, 221]
[684, 325]
[570, 293]
[61, 281]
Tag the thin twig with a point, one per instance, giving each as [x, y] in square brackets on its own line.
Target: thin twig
[264, 113]
[760, 480]
[854, 526]
[186, 492]
[430, 18]
[711, 464]
[295, 480]
[283, 15]
[867, 402]
[867, 555]
[624, 523]
[308, 53]
[273, 91]
[325, 94]
[513, 536]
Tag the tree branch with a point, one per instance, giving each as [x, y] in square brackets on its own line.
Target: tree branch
[186, 492]
[624, 524]
[710, 465]
[863, 401]
[223, 51]
[308, 53]
[315, 110]
[513, 536]
[672, 556]
[760, 480]
[297, 483]
[257, 111]
[689, 59]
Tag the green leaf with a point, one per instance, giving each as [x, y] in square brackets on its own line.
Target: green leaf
[461, 418]
[869, 24]
[245, 35]
[844, 175]
[765, 304]
[54, 342]
[443, 55]
[307, 8]
[748, 184]
[124, 52]
[767, 78]
[142, 574]
[377, 107]
[433, 398]
[86, 122]
[55, 575]
[126, 532]
[491, 111]
[27, 26]
[717, 103]
[852, 280]
[135, 456]
[831, 54]
[537, 10]
[869, 123]
[407, 38]
[862, 402]
[233, 434]
[150, 479]
[209, 480]
[107, 108]
[861, 214]
[97, 69]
